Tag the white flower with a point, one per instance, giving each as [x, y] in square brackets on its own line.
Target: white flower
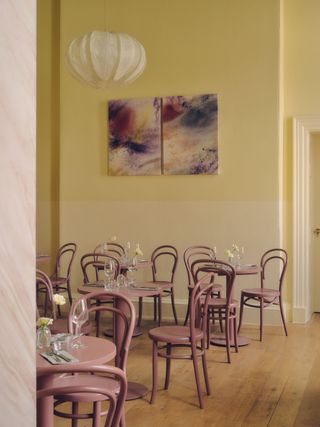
[113, 238]
[229, 253]
[235, 248]
[44, 321]
[59, 299]
[138, 251]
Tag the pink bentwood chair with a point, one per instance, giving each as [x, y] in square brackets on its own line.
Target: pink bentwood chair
[164, 261]
[167, 338]
[221, 309]
[265, 296]
[190, 255]
[111, 387]
[50, 310]
[123, 318]
[61, 276]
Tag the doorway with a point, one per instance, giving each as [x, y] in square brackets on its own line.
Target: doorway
[315, 221]
[305, 132]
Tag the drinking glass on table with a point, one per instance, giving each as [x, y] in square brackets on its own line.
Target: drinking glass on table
[131, 271]
[109, 272]
[241, 253]
[80, 315]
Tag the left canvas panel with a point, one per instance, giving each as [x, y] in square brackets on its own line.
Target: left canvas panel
[134, 136]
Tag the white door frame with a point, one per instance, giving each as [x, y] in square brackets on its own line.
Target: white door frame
[303, 127]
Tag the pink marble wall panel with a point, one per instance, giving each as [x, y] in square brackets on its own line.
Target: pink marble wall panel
[17, 212]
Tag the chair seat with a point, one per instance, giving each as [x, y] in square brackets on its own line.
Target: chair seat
[221, 303]
[261, 292]
[86, 380]
[174, 334]
[58, 280]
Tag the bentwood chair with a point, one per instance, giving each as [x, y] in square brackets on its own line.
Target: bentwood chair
[61, 276]
[92, 266]
[113, 248]
[123, 317]
[273, 268]
[224, 308]
[91, 384]
[166, 339]
[190, 255]
[164, 260]
[50, 309]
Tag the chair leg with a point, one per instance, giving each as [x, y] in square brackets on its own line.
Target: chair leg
[235, 334]
[174, 307]
[154, 309]
[69, 293]
[282, 316]
[75, 410]
[241, 312]
[96, 414]
[188, 310]
[159, 311]
[196, 374]
[261, 317]
[227, 327]
[97, 323]
[168, 367]
[154, 371]
[140, 312]
[205, 373]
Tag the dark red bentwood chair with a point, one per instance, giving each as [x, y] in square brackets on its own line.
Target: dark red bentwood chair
[92, 266]
[192, 254]
[193, 337]
[221, 309]
[265, 296]
[164, 261]
[60, 278]
[91, 388]
[127, 318]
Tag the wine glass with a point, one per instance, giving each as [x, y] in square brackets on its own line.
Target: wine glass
[241, 253]
[80, 315]
[131, 271]
[109, 271]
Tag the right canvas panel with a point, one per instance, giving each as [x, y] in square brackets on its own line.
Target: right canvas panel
[190, 135]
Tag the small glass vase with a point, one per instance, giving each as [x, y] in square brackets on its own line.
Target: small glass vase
[43, 337]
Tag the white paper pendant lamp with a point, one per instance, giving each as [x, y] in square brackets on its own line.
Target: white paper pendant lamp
[101, 59]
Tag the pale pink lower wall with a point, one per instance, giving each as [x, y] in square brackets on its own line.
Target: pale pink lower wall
[17, 212]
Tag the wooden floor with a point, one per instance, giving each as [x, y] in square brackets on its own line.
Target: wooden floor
[275, 383]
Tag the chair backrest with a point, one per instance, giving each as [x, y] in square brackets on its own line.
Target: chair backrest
[115, 249]
[273, 267]
[198, 307]
[216, 268]
[44, 282]
[126, 316]
[167, 254]
[193, 253]
[92, 263]
[115, 397]
[64, 260]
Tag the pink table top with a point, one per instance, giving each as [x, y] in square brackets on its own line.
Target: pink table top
[97, 351]
[128, 292]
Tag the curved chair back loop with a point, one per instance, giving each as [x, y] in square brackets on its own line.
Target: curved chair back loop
[198, 307]
[171, 253]
[115, 249]
[115, 400]
[125, 315]
[64, 260]
[272, 257]
[92, 263]
[43, 281]
[196, 252]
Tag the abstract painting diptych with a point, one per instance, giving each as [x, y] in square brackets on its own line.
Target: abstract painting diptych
[174, 135]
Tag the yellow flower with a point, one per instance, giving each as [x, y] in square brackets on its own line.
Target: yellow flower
[113, 238]
[59, 299]
[138, 251]
[44, 321]
[235, 248]
[229, 253]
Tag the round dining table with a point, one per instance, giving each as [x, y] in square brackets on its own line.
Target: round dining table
[135, 390]
[93, 351]
[220, 340]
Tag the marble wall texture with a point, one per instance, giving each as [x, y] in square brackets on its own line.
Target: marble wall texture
[17, 211]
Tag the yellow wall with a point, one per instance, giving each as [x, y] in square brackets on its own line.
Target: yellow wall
[230, 48]
[48, 64]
